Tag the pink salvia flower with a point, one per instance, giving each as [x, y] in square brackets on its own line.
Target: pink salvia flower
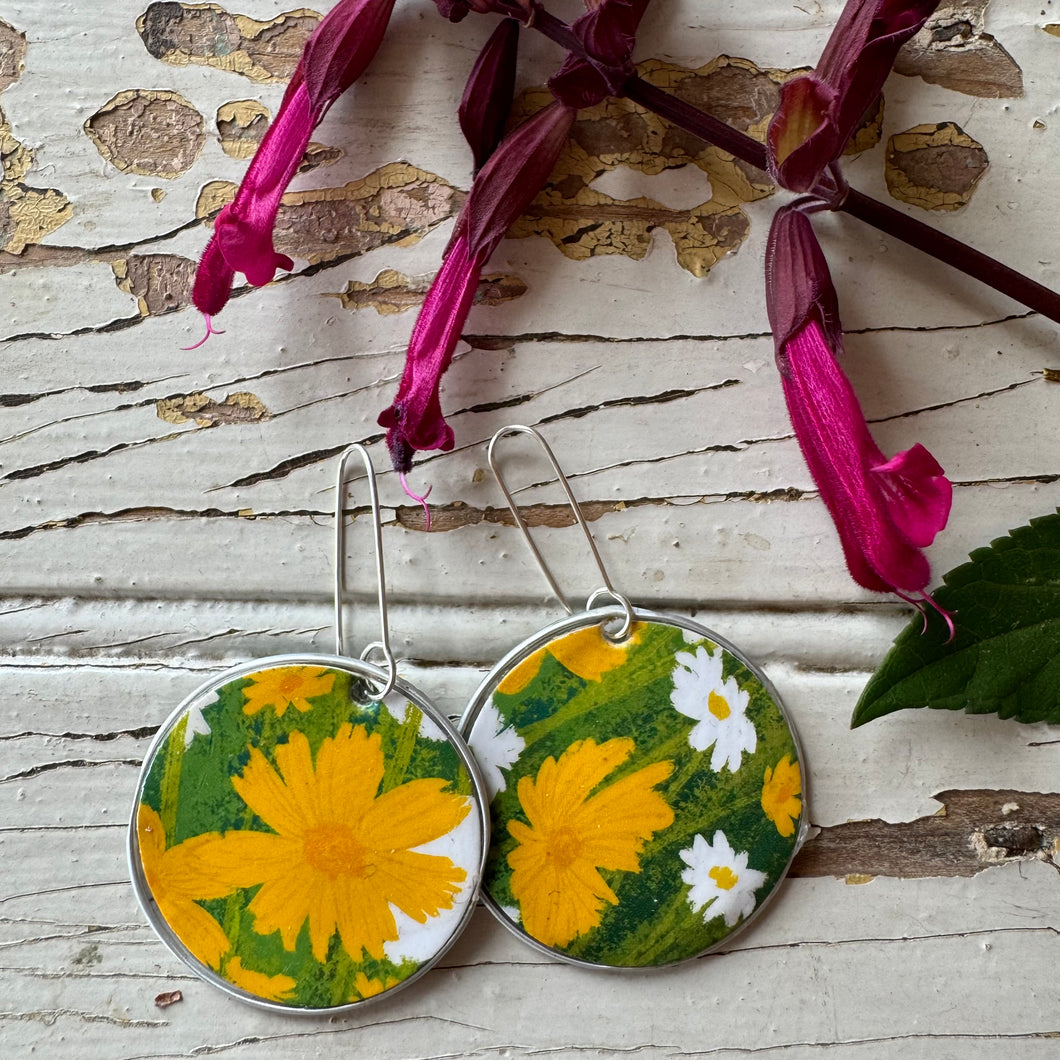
[886, 511]
[336, 54]
[819, 112]
[501, 191]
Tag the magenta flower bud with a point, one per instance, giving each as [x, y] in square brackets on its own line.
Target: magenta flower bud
[886, 511]
[819, 112]
[487, 99]
[336, 54]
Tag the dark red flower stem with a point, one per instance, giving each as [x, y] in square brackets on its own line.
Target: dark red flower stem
[953, 252]
[873, 212]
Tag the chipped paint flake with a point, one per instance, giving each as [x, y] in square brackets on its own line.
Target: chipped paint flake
[396, 205]
[867, 135]
[955, 51]
[207, 35]
[27, 215]
[584, 222]
[152, 133]
[161, 283]
[236, 408]
[241, 125]
[393, 292]
[935, 167]
[12, 54]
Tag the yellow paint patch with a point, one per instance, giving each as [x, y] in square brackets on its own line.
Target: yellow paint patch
[27, 214]
[208, 35]
[153, 134]
[583, 222]
[236, 408]
[241, 125]
[855, 879]
[393, 292]
[935, 167]
[396, 205]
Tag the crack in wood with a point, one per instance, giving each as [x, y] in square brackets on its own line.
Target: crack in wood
[920, 410]
[147, 513]
[974, 830]
[140, 733]
[70, 763]
[456, 514]
[503, 341]
[49, 1017]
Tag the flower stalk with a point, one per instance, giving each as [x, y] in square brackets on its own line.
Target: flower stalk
[879, 215]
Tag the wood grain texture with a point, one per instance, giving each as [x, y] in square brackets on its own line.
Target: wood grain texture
[167, 513]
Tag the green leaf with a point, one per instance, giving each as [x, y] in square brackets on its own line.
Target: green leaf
[1005, 658]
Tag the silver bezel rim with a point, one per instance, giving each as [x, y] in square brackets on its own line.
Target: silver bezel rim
[360, 669]
[598, 616]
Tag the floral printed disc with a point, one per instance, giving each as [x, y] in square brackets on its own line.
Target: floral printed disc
[646, 796]
[301, 846]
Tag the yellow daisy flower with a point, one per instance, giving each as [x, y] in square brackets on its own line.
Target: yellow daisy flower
[176, 878]
[586, 653]
[270, 987]
[366, 987]
[572, 835]
[286, 686]
[341, 855]
[780, 795]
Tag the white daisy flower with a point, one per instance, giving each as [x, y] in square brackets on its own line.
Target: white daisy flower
[196, 725]
[496, 746]
[720, 881]
[718, 706]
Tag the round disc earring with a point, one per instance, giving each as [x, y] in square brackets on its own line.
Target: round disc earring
[309, 831]
[645, 781]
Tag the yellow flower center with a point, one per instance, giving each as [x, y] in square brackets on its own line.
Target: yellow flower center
[724, 877]
[565, 847]
[290, 683]
[718, 706]
[334, 850]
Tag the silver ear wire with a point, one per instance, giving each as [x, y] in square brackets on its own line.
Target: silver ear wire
[607, 588]
[381, 646]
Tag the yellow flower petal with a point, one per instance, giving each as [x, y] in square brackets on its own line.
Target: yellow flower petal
[586, 653]
[366, 987]
[342, 853]
[178, 876]
[270, 987]
[555, 864]
[414, 814]
[589, 654]
[196, 929]
[780, 795]
[286, 686]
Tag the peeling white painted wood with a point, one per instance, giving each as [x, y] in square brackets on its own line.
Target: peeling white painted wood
[140, 556]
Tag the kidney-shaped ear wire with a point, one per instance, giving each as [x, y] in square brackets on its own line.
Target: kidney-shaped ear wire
[309, 831]
[645, 782]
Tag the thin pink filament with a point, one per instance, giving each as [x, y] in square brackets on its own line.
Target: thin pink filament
[210, 330]
[416, 497]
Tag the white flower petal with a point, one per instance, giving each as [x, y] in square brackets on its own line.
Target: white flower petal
[196, 726]
[720, 882]
[496, 746]
[697, 678]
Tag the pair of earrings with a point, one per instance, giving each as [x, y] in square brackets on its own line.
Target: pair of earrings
[310, 832]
